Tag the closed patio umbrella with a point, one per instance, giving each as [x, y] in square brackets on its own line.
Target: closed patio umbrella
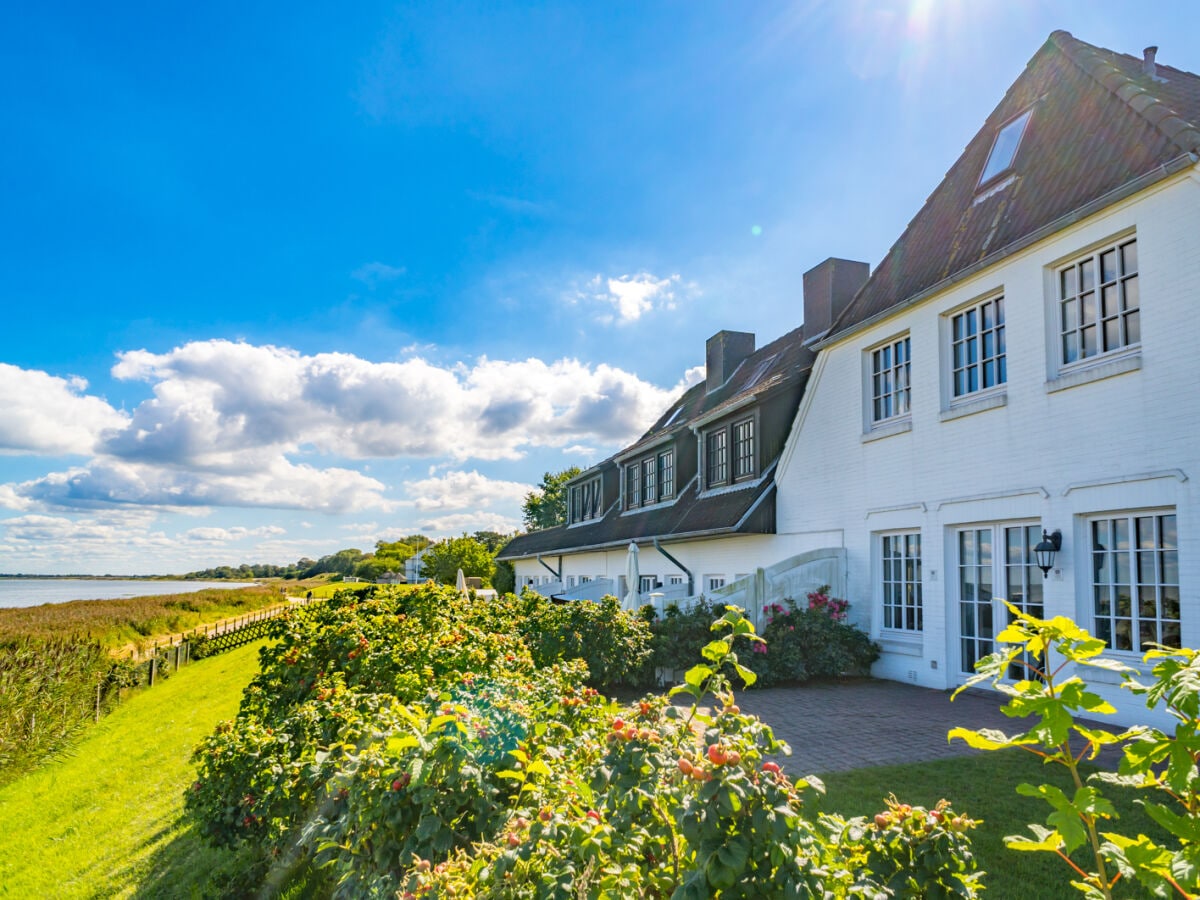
[460, 583]
[632, 578]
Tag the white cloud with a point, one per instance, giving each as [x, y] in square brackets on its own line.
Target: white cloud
[373, 273]
[279, 484]
[456, 523]
[48, 415]
[241, 425]
[632, 296]
[464, 490]
[225, 535]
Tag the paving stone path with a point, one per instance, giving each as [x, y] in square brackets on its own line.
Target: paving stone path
[851, 725]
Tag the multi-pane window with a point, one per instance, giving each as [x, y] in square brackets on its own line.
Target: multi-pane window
[743, 449]
[901, 557]
[647, 583]
[717, 456]
[889, 380]
[666, 474]
[649, 480]
[583, 500]
[1135, 580]
[675, 580]
[715, 582]
[633, 486]
[977, 355]
[1098, 302]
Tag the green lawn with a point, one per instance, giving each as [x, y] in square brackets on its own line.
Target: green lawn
[984, 787]
[106, 820]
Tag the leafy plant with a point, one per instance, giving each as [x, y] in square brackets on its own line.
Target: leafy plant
[1045, 650]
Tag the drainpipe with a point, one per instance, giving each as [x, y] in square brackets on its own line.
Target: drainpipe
[691, 577]
[545, 565]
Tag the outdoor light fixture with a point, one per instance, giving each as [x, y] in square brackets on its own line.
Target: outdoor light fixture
[1045, 550]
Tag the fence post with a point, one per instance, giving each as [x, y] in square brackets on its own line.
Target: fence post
[98, 687]
[153, 660]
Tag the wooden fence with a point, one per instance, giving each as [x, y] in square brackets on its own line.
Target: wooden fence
[182, 649]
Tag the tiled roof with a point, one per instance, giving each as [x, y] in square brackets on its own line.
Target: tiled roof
[1098, 124]
[750, 510]
[782, 364]
[773, 365]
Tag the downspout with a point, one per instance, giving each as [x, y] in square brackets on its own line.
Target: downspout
[557, 574]
[691, 577]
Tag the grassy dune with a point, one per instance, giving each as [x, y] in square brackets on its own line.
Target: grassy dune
[106, 821]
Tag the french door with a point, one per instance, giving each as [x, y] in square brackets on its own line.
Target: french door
[994, 563]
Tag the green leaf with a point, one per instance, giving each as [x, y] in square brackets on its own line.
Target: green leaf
[396, 744]
[715, 650]
[697, 675]
[748, 676]
[510, 774]
[983, 739]
[1044, 839]
[1183, 827]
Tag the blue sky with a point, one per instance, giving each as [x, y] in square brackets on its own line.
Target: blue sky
[279, 280]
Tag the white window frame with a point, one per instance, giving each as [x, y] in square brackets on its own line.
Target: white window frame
[584, 500]
[675, 580]
[1108, 303]
[714, 582]
[644, 587]
[877, 366]
[1160, 589]
[999, 358]
[882, 542]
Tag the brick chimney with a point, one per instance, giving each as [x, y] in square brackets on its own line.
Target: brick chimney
[723, 352]
[828, 289]
[1149, 67]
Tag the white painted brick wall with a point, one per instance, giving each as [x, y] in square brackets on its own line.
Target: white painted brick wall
[1117, 428]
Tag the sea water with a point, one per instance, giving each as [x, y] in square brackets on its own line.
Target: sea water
[36, 591]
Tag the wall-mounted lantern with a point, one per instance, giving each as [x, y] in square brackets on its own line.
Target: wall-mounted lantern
[1045, 550]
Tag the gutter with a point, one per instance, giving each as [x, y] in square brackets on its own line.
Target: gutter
[691, 578]
[1166, 170]
[624, 542]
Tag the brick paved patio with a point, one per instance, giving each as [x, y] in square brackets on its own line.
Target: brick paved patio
[850, 725]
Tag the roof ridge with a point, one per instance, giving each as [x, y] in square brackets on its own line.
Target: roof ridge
[1184, 134]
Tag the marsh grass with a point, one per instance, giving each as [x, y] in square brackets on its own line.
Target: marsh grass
[133, 620]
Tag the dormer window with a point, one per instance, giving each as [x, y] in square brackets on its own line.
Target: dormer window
[1004, 149]
[730, 453]
[583, 500]
[650, 479]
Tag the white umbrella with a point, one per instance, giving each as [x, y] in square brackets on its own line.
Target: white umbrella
[460, 583]
[632, 578]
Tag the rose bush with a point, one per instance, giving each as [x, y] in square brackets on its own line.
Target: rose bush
[415, 745]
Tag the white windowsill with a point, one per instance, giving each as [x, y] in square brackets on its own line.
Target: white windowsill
[1107, 676]
[970, 406]
[1130, 362]
[887, 429]
[902, 642]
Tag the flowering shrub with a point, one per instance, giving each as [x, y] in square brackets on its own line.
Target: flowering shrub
[820, 601]
[814, 642]
[412, 746]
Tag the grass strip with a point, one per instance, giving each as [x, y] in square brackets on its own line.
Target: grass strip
[984, 787]
[107, 820]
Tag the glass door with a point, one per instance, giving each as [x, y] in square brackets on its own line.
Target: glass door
[1023, 586]
[995, 562]
[976, 627]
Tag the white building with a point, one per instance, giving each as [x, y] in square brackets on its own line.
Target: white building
[1020, 362]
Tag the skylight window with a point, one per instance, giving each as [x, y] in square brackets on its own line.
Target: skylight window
[1004, 150]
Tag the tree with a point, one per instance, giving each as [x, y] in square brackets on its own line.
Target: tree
[546, 506]
[442, 561]
[493, 540]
